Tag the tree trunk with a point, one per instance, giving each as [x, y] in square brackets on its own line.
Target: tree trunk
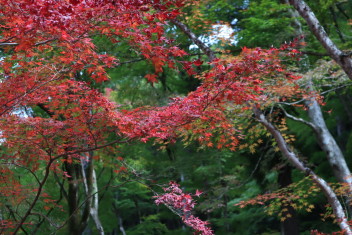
[91, 186]
[336, 24]
[290, 225]
[74, 227]
[328, 144]
[95, 205]
[122, 229]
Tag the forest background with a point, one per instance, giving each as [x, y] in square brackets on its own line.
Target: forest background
[85, 152]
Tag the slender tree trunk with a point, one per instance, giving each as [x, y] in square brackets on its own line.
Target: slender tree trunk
[328, 144]
[95, 205]
[122, 229]
[290, 225]
[87, 167]
[341, 10]
[74, 227]
[336, 24]
[91, 186]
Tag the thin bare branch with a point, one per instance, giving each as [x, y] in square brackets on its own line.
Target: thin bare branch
[297, 119]
[195, 39]
[46, 218]
[23, 167]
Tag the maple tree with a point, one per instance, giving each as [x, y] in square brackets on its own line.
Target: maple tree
[48, 44]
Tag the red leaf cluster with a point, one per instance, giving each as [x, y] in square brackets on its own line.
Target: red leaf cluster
[183, 204]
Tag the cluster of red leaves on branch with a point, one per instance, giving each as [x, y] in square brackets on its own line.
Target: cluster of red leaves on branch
[316, 232]
[11, 189]
[296, 195]
[79, 117]
[193, 115]
[52, 40]
[230, 86]
[48, 42]
[183, 203]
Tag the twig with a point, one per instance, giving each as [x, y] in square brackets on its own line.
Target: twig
[314, 127]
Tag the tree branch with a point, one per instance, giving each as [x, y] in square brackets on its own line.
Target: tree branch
[4, 44]
[298, 119]
[45, 217]
[36, 198]
[319, 32]
[293, 158]
[194, 39]
[87, 198]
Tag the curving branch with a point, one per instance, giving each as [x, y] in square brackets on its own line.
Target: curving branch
[36, 198]
[295, 161]
[4, 44]
[341, 58]
[297, 119]
[210, 53]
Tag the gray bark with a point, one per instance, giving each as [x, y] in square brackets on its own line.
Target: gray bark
[122, 229]
[95, 204]
[328, 144]
[195, 40]
[91, 187]
[341, 58]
